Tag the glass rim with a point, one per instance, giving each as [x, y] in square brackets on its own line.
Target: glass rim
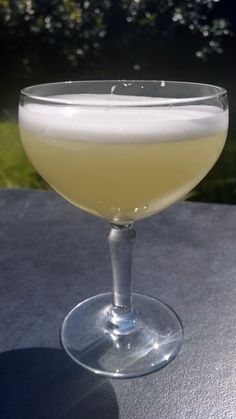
[220, 91]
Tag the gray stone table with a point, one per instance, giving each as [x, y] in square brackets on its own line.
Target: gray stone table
[53, 255]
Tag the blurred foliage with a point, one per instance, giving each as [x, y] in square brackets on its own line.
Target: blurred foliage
[15, 169]
[220, 184]
[33, 32]
[36, 29]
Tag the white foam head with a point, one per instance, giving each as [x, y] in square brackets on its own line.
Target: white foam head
[114, 118]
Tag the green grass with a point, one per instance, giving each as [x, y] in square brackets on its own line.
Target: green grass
[220, 184]
[17, 172]
[15, 169]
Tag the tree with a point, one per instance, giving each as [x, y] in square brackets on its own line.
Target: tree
[42, 40]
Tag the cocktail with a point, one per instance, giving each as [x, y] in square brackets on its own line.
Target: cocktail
[123, 151]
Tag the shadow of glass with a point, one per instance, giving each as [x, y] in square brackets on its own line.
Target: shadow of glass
[42, 383]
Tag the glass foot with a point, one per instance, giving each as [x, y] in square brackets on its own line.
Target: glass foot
[138, 343]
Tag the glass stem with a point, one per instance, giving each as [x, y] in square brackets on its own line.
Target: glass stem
[121, 241]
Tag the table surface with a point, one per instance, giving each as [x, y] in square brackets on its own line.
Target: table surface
[52, 256]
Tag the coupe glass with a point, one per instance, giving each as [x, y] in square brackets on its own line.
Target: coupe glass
[123, 151]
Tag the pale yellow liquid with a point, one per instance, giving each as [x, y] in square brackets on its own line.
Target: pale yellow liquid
[122, 182]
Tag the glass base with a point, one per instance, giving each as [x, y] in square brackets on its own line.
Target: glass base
[122, 346]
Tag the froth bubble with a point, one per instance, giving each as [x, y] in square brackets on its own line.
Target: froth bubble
[121, 118]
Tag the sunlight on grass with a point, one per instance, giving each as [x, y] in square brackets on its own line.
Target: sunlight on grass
[15, 169]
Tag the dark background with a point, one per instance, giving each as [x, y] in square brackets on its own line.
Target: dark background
[44, 41]
[192, 40]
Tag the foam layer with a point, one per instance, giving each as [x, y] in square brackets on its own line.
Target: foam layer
[102, 121]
